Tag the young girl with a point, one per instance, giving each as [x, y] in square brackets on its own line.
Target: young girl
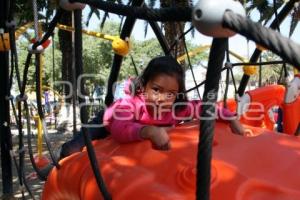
[156, 102]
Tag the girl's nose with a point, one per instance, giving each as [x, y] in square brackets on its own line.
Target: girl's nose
[160, 98]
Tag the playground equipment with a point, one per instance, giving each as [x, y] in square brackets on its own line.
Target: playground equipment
[127, 173]
[122, 165]
[120, 46]
[202, 48]
[40, 159]
[255, 106]
[171, 174]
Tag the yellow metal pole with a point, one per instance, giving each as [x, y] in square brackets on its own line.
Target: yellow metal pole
[205, 47]
[296, 71]
[91, 33]
[40, 138]
[22, 29]
[40, 128]
[193, 52]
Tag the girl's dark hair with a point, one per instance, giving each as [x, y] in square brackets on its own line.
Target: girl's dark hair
[163, 65]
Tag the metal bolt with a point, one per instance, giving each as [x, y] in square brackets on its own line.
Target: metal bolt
[198, 14]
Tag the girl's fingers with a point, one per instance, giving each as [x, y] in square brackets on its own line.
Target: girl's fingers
[248, 132]
[164, 147]
[168, 128]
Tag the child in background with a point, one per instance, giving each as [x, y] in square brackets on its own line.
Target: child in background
[156, 102]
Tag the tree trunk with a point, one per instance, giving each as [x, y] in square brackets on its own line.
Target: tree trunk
[174, 30]
[65, 41]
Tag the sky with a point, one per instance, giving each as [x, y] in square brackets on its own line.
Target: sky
[237, 43]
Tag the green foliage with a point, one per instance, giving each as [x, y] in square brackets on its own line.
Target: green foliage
[195, 59]
[267, 10]
[270, 73]
[98, 57]
[142, 53]
[47, 58]
[52, 63]
[22, 45]
[24, 11]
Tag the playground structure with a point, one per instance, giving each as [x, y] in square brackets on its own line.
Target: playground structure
[114, 159]
[120, 47]
[129, 175]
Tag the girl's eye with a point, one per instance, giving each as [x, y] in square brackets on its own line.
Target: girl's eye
[171, 95]
[155, 89]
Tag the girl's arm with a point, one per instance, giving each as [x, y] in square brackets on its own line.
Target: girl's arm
[226, 115]
[157, 135]
[120, 122]
[236, 127]
[124, 129]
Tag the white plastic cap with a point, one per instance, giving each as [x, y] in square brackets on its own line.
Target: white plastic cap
[207, 16]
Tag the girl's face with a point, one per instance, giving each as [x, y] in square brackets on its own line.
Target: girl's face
[160, 93]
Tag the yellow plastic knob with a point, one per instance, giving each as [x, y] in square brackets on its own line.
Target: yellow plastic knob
[120, 47]
[250, 70]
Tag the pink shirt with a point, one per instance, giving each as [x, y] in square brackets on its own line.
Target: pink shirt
[127, 116]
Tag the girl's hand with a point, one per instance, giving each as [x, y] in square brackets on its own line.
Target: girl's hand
[249, 133]
[168, 128]
[237, 127]
[158, 136]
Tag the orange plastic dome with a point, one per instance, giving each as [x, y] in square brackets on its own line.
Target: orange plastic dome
[243, 168]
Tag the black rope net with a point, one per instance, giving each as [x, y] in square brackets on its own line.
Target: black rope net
[163, 14]
[22, 101]
[210, 96]
[257, 52]
[268, 38]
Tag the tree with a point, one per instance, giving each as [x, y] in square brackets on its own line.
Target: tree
[270, 73]
[24, 12]
[65, 45]
[173, 30]
[47, 58]
[98, 56]
[267, 9]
